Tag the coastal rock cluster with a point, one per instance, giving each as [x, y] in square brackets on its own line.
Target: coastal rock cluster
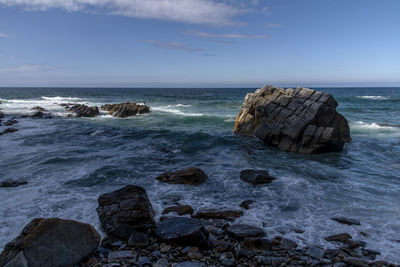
[127, 109]
[296, 120]
[185, 238]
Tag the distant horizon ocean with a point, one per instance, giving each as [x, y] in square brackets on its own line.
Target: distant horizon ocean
[69, 162]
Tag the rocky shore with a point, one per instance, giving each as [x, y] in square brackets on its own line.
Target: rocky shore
[184, 236]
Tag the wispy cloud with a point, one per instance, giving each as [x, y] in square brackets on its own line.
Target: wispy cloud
[25, 68]
[214, 12]
[3, 35]
[227, 35]
[173, 45]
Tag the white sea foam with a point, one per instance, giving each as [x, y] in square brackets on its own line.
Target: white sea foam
[373, 125]
[374, 97]
[171, 109]
[60, 99]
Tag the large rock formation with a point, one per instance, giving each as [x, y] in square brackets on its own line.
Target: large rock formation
[82, 110]
[127, 109]
[301, 120]
[124, 211]
[51, 242]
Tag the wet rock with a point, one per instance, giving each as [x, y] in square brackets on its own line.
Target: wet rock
[244, 230]
[228, 262]
[287, 243]
[347, 221]
[179, 209]
[38, 108]
[121, 254]
[192, 176]
[215, 214]
[12, 183]
[315, 252]
[125, 210]
[357, 262]
[339, 238]
[256, 177]
[9, 130]
[81, 110]
[260, 244]
[246, 204]
[10, 122]
[183, 231]
[161, 263]
[301, 120]
[189, 264]
[43, 242]
[138, 240]
[41, 115]
[127, 109]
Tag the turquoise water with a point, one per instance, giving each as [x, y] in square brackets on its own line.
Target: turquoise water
[69, 162]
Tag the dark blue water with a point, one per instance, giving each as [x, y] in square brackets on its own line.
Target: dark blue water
[69, 162]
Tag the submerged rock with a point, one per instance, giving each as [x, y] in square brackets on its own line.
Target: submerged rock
[41, 115]
[9, 130]
[246, 204]
[38, 108]
[344, 237]
[301, 120]
[124, 211]
[180, 209]
[183, 231]
[347, 221]
[244, 230]
[51, 242]
[127, 109]
[81, 110]
[256, 177]
[12, 183]
[216, 214]
[10, 122]
[193, 176]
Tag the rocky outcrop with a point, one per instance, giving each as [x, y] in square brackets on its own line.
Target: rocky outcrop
[256, 177]
[81, 110]
[41, 115]
[300, 120]
[193, 176]
[127, 109]
[50, 242]
[124, 211]
[9, 130]
[183, 231]
[38, 108]
[10, 122]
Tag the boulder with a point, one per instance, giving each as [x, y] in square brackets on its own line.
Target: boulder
[183, 231]
[344, 237]
[180, 209]
[246, 204]
[81, 110]
[216, 214]
[41, 115]
[244, 230]
[51, 242]
[127, 109]
[10, 122]
[260, 244]
[301, 120]
[347, 221]
[9, 130]
[256, 177]
[38, 108]
[124, 211]
[12, 183]
[192, 176]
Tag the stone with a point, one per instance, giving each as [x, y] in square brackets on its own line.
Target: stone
[41, 115]
[161, 263]
[356, 262]
[127, 109]
[339, 238]
[191, 175]
[10, 122]
[243, 230]
[228, 262]
[315, 252]
[179, 209]
[215, 214]
[246, 204]
[43, 242]
[9, 130]
[301, 120]
[82, 110]
[125, 210]
[258, 244]
[256, 177]
[121, 254]
[347, 221]
[183, 231]
[38, 108]
[287, 243]
[138, 240]
[189, 264]
[164, 248]
[12, 183]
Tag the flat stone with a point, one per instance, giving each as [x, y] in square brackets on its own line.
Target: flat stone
[191, 176]
[344, 237]
[347, 221]
[217, 214]
[256, 177]
[161, 263]
[244, 230]
[287, 243]
[260, 244]
[315, 252]
[121, 254]
[179, 209]
[12, 183]
[138, 240]
[189, 264]
[357, 262]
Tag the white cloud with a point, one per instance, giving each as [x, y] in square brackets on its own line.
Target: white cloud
[25, 68]
[227, 35]
[3, 35]
[188, 11]
[173, 45]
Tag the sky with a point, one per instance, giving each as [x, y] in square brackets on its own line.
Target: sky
[199, 43]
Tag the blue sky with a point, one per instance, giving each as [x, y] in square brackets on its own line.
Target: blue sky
[161, 43]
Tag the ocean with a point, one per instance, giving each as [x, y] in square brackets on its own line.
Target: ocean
[69, 162]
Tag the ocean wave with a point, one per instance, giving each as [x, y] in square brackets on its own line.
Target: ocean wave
[374, 97]
[171, 109]
[59, 98]
[374, 125]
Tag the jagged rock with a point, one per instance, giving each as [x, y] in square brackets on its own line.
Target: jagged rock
[41, 115]
[10, 122]
[347, 221]
[81, 110]
[125, 210]
[12, 183]
[301, 120]
[38, 108]
[183, 231]
[344, 237]
[127, 109]
[51, 242]
[180, 209]
[356, 262]
[256, 177]
[215, 214]
[138, 240]
[244, 230]
[9, 130]
[193, 176]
